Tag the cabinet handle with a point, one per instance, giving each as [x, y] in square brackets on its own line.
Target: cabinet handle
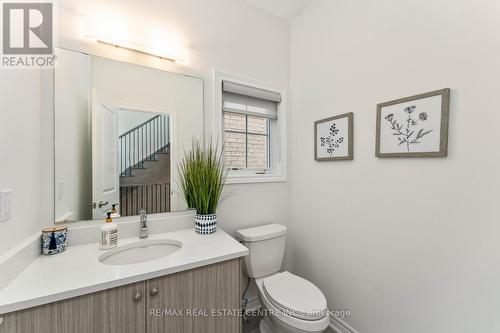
[153, 292]
[137, 296]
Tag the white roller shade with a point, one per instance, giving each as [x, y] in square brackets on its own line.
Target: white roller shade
[247, 100]
[249, 105]
[240, 89]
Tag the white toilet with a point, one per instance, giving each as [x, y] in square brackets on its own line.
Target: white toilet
[293, 304]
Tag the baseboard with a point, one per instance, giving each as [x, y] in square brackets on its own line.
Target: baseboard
[337, 325]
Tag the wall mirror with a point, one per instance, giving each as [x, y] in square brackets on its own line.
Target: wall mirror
[120, 129]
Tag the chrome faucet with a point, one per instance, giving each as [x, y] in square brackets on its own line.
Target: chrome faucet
[143, 224]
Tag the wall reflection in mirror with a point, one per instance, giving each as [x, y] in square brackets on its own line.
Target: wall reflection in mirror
[119, 129]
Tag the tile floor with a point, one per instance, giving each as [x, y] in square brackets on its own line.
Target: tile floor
[251, 325]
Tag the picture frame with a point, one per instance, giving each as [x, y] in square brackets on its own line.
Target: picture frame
[333, 138]
[415, 126]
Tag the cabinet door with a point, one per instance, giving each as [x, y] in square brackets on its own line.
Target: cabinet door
[201, 300]
[127, 306]
[112, 311]
[81, 314]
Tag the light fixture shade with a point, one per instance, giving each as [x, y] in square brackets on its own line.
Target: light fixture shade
[115, 31]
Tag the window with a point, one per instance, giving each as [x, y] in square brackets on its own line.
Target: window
[246, 141]
[252, 122]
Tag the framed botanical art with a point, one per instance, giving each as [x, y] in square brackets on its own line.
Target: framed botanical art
[333, 138]
[415, 126]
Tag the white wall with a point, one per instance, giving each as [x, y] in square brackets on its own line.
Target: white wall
[408, 245]
[131, 119]
[25, 143]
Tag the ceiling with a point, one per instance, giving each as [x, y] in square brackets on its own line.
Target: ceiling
[282, 8]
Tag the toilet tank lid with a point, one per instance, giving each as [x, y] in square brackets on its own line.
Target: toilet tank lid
[262, 232]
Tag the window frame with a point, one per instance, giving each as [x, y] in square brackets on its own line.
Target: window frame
[277, 134]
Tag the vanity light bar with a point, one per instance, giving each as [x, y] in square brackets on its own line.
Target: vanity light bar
[140, 49]
[114, 31]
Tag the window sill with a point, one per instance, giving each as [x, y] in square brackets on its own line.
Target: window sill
[234, 178]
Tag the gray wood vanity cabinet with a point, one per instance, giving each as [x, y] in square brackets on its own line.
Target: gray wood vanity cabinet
[144, 306]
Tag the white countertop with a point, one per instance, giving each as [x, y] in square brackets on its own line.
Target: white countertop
[77, 271]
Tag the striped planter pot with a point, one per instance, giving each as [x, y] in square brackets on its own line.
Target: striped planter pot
[205, 224]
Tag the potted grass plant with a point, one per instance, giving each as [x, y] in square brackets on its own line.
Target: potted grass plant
[202, 178]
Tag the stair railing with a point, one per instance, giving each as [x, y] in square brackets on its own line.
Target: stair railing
[143, 143]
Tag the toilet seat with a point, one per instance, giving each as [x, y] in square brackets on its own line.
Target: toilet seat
[295, 296]
[287, 318]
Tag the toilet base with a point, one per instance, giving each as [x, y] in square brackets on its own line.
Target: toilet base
[266, 325]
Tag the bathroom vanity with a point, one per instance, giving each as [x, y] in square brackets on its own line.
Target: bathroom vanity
[196, 289]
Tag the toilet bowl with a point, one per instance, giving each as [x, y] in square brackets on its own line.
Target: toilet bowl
[291, 304]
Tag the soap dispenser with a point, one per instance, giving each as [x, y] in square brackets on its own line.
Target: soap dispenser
[114, 212]
[109, 234]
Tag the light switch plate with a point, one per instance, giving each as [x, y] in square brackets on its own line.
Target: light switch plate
[5, 205]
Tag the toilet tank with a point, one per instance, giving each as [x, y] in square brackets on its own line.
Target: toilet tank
[267, 247]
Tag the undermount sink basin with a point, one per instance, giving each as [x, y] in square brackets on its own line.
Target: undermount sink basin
[140, 252]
